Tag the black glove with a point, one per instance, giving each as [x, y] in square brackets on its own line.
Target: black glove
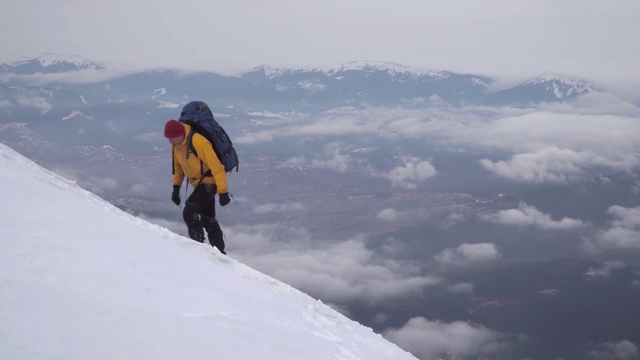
[224, 199]
[175, 195]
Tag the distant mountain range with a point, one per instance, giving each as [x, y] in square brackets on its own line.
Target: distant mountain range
[355, 84]
[49, 63]
[59, 95]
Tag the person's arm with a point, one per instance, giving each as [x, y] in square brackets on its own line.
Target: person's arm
[209, 157]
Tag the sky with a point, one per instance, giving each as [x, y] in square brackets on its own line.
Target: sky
[510, 38]
[89, 281]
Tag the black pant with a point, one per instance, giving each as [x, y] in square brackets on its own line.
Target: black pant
[200, 213]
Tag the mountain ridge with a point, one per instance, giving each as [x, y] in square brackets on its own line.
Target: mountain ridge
[355, 80]
[50, 63]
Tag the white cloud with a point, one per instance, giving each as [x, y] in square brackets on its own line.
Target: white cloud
[295, 161]
[621, 350]
[338, 124]
[534, 129]
[337, 272]
[461, 288]
[412, 171]
[141, 188]
[552, 164]
[99, 185]
[606, 270]
[255, 137]
[151, 137]
[335, 160]
[368, 121]
[431, 339]
[73, 77]
[526, 215]
[535, 140]
[278, 208]
[467, 255]
[453, 219]
[388, 214]
[624, 232]
[542, 151]
[95, 184]
[596, 103]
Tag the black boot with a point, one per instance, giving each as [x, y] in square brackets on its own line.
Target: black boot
[214, 233]
[216, 238]
[196, 233]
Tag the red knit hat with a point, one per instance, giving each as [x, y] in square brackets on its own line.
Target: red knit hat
[173, 128]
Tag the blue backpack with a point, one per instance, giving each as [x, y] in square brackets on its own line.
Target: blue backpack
[198, 115]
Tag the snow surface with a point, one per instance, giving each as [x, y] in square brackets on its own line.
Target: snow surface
[81, 279]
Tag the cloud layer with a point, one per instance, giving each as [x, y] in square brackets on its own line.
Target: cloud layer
[429, 339]
[552, 143]
[526, 215]
[467, 255]
[339, 272]
[623, 233]
[412, 171]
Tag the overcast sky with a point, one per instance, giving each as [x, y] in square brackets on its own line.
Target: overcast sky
[577, 37]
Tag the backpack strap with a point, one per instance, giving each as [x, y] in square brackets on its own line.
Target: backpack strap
[191, 148]
[208, 173]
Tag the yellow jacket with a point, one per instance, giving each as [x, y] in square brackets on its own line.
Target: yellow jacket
[194, 167]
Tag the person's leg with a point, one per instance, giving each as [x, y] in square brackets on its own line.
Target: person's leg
[199, 199]
[211, 225]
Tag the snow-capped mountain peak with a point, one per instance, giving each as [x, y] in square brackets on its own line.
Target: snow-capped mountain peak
[550, 76]
[392, 69]
[50, 63]
[82, 63]
[561, 85]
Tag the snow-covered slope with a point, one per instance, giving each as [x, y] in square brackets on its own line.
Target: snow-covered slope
[80, 279]
[561, 85]
[548, 87]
